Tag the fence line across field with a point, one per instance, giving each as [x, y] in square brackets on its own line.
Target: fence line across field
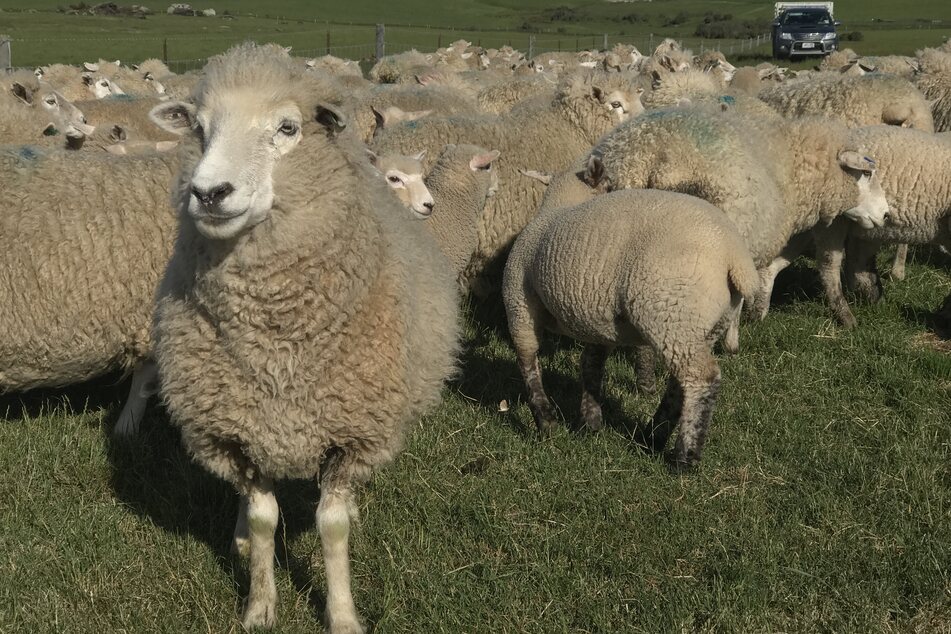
[358, 42]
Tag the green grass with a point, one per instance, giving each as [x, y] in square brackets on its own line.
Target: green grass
[42, 35]
[823, 503]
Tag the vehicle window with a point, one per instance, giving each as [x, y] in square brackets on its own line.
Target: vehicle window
[807, 17]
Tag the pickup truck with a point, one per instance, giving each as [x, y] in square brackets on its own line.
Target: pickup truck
[804, 28]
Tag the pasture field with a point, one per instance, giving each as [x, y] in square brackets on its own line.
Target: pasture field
[43, 35]
[823, 503]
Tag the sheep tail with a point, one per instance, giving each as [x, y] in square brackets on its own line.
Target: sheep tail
[744, 278]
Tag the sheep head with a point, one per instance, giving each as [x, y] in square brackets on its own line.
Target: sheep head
[60, 114]
[404, 176]
[871, 209]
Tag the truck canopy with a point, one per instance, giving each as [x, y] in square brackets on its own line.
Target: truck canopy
[784, 6]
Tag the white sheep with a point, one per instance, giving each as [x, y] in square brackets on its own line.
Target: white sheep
[774, 178]
[31, 110]
[403, 174]
[304, 321]
[629, 268]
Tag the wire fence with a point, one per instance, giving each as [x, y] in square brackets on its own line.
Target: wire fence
[359, 42]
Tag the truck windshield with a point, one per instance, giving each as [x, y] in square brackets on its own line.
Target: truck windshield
[821, 18]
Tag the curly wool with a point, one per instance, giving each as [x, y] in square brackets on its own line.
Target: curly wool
[86, 240]
[934, 81]
[332, 324]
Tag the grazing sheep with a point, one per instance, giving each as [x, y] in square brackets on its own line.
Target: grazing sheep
[624, 269]
[865, 100]
[303, 321]
[547, 138]
[86, 238]
[31, 110]
[774, 178]
[461, 182]
[913, 170]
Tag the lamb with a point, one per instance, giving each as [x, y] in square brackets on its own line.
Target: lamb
[865, 100]
[547, 138]
[461, 182]
[628, 268]
[404, 176]
[87, 252]
[913, 168]
[774, 178]
[303, 322]
[30, 109]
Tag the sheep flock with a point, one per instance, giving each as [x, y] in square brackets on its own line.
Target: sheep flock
[280, 248]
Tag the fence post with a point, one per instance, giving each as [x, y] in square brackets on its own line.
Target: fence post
[380, 42]
[6, 53]
[531, 46]
[605, 42]
[439, 41]
[650, 45]
[328, 42]
[165, 50]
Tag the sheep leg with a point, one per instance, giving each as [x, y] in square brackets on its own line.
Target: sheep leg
[666, 416]
[241, 543]
[333, 522]
[644, 369]
[830, 249]
[593, 358]
[898, 263]
[261, 607]
[861, 270]
[797, 244]
[700, 388]
[144, 385]
[526, 317]
[538, 401]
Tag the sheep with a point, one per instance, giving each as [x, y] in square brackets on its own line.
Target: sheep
[303, 322]
[336, 66]
[547, 138]
[179, 87]
[866, 100]
[86, 238]
[836, 60]
[364, 108]
[399, 68]
[131, 116]
[912, 167]
[671, 89]
[461, 182]
[76, 85]
[896, 65]
[31, 109]
[774, 178]
[502, 97]
[934, 81]
[627, 268]
[404, 176]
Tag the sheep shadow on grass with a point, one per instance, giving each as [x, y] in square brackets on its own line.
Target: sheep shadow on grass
[104, 392]
[154, 478]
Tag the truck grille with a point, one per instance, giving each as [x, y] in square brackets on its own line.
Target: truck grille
[809, 37]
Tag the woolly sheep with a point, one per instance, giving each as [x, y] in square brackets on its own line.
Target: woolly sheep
[462, 181]
[399, 68]
[547, 138]
[404, 176]
[651, 243]
[86, 238]
[30, 109]
[130, 115]
[913, 169]
[76, 85]
[774, 178]
[502, 97]
[303, 321]
[866, 100]
[934, 81]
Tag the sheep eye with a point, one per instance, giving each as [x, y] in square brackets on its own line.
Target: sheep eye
[615, 104]
[288, 128]
[393, 179]
[51, 101]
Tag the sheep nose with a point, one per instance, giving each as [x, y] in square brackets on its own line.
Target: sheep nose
[214, 195]
[429, 205]
[886, 216]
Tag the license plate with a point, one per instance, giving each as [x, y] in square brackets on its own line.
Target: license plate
[808, 44]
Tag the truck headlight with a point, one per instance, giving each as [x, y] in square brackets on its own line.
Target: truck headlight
[785, 36]
[828, 36]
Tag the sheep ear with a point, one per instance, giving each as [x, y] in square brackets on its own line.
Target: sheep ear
[380, 119]
[656, 79]
[87, 79]
[483, 161]
[598, 93]
[92, 68]
[419, 156]
[423, 80]
[541, 177]
[373, 157]
[135, 67]
[851, 160]
[594, 171]
[173, 116]
[118, 133]
[331, 118]
[22, 93]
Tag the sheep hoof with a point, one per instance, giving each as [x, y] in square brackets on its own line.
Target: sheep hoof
[260, 614]
[680, 466]
[592, 418]
[647, 385]
[545, 425]
[345, 626]
[847, 320]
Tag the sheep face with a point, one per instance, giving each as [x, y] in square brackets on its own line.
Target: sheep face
[243, 136]
[62, 114]
[404, 176]
[871, 209]
[154, 83]
[622, 104]
[101, 87]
